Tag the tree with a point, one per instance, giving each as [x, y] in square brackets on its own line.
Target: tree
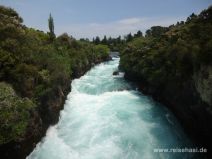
[118, 39]
[104, 40]
[156, 31]
[97, 40]
[51, 27]
[148, 33]
[138, 34]
[129, 37]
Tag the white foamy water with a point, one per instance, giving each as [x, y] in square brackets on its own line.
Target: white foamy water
[105, 118]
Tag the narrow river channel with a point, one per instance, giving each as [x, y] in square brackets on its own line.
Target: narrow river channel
[105, 118]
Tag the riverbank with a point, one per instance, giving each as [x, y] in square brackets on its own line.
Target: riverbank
[193, 114]
[36, 69]
[47, 114]
[103, 113]
[173, 65]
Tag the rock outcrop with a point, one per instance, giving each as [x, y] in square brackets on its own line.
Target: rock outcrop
[203, 83]
[115, 73]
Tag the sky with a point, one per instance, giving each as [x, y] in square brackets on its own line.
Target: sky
[90, 18]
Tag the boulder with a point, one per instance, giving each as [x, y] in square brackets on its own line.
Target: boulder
[115, 73]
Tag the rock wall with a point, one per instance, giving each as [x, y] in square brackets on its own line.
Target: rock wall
[190, 102]
[203, 84]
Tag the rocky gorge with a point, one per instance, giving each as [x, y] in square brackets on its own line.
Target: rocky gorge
[41, 117]
[173, 64]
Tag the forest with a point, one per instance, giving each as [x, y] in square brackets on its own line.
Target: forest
[36, 69]
[174, 65]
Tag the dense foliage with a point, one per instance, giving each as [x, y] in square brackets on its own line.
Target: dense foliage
[174, 65]
[34, 63]
[116, 44]
[170, 55]
[14, 114]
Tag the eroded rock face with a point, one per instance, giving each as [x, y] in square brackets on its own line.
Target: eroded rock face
[51, 104]
[203, 83]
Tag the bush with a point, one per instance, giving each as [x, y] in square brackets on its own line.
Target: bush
[14, 114]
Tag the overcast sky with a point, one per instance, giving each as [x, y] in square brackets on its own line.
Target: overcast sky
[89, 18]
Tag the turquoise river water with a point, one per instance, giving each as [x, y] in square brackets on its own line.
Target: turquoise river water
[104, 117]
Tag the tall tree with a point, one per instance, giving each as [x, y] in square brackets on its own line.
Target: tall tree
[51, 27]
[138, 34]
[118, 39]
[129, 37]
[97, 40]
[104, 40]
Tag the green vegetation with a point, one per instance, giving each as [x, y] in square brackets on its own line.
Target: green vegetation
[116, 44]
[174, 65]
[170, 55]
[34, 63]
[14, 114]
[51, 27]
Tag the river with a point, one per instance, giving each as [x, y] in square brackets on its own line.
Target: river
[104, 117]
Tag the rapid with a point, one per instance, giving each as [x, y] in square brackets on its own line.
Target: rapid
[105, 117]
